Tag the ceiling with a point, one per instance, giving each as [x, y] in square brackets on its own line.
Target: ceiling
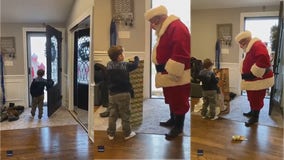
[57, 11]
[35, 11]
[214, 4]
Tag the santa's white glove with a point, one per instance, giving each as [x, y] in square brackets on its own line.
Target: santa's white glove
[174, 78]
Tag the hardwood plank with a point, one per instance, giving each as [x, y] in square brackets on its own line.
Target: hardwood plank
[215, 139]
[56, 143]
[142, 146]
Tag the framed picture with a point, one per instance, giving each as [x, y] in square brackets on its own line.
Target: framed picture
[123, 12]
[8, 47]
[224, 34]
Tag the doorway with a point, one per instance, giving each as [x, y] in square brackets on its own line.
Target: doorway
[43, 51]
[81, 70]
[36, 57]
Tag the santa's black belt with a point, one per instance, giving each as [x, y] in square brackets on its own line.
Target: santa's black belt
[160, 68]
[250, 76]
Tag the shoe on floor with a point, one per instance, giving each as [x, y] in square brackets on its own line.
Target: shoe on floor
[168, 123]
[132, 134]
[174, 132]
[214, 118]
[110, 137]
[248, 114]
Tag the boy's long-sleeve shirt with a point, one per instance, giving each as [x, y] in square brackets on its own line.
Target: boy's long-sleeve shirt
[118, 76]
[208, 79]
[38, 85]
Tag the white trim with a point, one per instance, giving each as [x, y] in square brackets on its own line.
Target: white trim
[147, 57]
[125, 52]
[84, 15]
[87, 13]
[15, 89]
[91, 87]
[26, 87]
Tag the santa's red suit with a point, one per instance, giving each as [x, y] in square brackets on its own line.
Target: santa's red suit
[172, 52]
[256, 63]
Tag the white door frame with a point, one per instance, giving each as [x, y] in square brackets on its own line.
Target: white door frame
[25, 51]
[88, 13]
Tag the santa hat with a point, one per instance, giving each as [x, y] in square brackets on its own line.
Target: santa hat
[243, 35]
[160, 10]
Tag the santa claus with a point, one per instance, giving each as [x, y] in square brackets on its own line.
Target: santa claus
[171, 56]
[256, 73]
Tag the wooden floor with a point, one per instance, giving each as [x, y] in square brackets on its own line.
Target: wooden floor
[215, 139]
[142, 146]
[48, 143]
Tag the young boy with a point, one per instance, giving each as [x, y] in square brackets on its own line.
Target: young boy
[37, 92]
[210, 89]
[120, 91]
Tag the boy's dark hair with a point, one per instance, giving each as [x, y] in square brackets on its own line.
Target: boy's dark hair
[114, 52]
[207, 63]
[40, 72]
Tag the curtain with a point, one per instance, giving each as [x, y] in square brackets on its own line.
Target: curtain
[3, 99]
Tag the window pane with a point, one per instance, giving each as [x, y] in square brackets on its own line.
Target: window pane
[83, 59]
[54, 59]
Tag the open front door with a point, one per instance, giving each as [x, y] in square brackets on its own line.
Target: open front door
[53, 58]
[81, 68]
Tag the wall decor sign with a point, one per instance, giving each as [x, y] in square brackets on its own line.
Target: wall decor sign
[123, 12]
[8, 47]
[224, 34]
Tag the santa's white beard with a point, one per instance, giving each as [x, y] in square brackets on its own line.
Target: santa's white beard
[158, 30]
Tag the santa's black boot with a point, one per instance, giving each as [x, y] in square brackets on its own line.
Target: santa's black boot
[248, 114]
[170, 122]
[253, 119]
[177, 129]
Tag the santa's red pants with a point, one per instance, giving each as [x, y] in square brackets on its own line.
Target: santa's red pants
[256, 99]
[178, 98]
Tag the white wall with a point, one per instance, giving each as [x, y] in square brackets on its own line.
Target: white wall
[15, 89]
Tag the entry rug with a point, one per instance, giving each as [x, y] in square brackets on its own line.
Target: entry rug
[154, 111]
[240, 104]
[59, 118]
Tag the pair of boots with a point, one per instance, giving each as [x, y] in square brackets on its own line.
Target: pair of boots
[253, 117]
[177, 122]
